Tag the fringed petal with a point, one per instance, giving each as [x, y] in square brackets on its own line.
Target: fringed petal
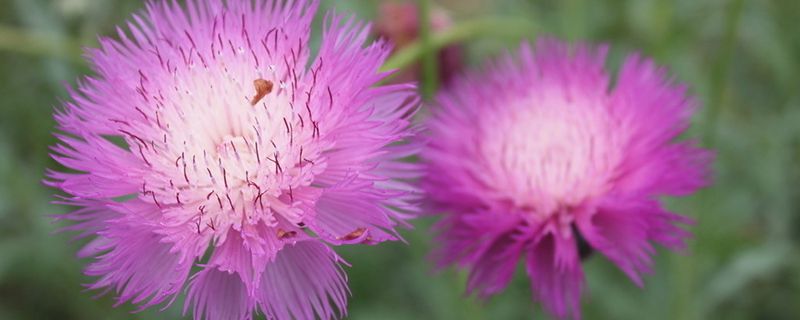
[556, 276]
[624, 230]
[137, 264]
[218, 295]
[304, 282]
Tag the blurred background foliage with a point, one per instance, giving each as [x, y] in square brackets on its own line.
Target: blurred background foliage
[740, 58]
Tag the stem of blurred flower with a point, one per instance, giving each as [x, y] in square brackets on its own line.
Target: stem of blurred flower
[26, 42]
[429, 68]
[515, 28]
[719, 72]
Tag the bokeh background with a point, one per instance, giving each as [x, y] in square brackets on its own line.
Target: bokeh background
[740, 58]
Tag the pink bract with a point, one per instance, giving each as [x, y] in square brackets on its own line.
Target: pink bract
[244, 157]
[539, 153]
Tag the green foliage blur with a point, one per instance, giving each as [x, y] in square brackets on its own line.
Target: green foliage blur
[740, 58]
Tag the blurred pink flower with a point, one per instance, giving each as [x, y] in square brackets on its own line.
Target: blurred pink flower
[540, 155]
[246, 157]
[398, 23]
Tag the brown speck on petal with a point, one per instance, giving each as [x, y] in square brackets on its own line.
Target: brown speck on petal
[353, 235]
[286, 234]
[368, 240]
[263, 87]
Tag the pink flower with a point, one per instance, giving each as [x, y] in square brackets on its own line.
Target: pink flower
[244, 156]
[542, 154]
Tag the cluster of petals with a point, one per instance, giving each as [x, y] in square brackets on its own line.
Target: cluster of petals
[212, 152]
[543, 154]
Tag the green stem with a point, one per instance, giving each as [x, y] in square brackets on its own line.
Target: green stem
[26, 42]
[502, 27]
[429, 63]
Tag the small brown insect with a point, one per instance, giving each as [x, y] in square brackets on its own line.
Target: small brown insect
[263, 87]
[353, 235]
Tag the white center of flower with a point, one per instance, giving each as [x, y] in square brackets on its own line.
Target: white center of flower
[552, 152]
[229, 148]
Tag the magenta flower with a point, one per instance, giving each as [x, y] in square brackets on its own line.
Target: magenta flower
[532, 157]
[245, 157]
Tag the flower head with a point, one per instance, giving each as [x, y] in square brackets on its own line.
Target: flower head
[541, 154]
[243, 156]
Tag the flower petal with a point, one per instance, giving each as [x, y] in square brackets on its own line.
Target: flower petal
[138, 264]
[486, 242]
[304, 282]
[556, 276]
[655, 112]
[215, 294]
[352, 214]
[246, 253]
[622, 229]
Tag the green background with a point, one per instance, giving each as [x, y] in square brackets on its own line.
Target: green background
[740, 58]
